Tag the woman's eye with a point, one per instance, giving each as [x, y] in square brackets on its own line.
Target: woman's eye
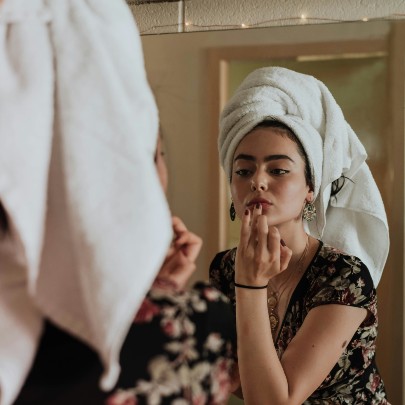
[279, 172]
[243, 172]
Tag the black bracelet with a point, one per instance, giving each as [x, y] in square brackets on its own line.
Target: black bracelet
[251, 287]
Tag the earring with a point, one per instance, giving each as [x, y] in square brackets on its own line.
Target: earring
[309, 212]
[232, 212]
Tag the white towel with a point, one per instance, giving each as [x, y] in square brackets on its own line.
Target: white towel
[355, 221]
[89, 221]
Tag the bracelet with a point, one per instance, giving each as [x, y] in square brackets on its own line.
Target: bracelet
[251, 287]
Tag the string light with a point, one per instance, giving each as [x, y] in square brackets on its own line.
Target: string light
[301, 18]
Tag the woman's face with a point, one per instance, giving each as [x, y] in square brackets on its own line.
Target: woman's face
[268, 170]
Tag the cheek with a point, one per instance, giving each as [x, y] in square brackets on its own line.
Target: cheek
[292, 194]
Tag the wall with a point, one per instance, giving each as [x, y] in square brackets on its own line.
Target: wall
[223, 14]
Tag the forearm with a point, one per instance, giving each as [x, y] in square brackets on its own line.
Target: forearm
[262, 375]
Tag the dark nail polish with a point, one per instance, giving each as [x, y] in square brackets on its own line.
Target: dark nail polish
[257, 206]
[282, 242]
[246, 212]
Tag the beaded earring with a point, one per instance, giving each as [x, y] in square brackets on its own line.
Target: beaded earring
[309, 212]
[232, 212]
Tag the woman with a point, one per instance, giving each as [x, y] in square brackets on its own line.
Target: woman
[305, 303]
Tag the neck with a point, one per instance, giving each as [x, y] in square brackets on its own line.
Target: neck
[298, 262]
[296, 240]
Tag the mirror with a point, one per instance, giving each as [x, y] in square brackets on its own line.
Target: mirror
[192, 76]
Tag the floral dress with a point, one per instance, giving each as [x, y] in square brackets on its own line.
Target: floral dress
[333, 277]
[181, 350]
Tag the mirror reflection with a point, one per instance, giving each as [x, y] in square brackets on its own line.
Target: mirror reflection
[193, 75]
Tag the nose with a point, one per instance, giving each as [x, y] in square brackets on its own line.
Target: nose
[258, 183]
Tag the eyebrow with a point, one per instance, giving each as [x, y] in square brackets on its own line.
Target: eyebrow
[268, 158]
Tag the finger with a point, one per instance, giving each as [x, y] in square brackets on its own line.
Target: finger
[170, 253]
[181, 270]
[178, 225]
[257, 211]
[189, 242]
[274, 246]
[245, 229]
[170, 263]
[172, 249]
[192, 248]
[186, 238]
[273, 239]
[262, 230]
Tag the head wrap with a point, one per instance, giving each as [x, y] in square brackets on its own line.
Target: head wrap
[89, 223]
[355, 221]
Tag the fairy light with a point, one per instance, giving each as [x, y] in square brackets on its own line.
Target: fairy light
[302, 18]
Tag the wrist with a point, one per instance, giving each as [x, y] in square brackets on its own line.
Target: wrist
[250, 280]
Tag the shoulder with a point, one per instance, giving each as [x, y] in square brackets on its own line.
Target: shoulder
[332, 262]
[340, 277]
[223, 259]
[222, 269]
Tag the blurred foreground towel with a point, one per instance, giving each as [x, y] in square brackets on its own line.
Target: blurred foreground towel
[355, 221]
[89, 222]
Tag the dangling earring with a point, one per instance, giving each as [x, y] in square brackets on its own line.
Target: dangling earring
[232, 212]
[309, 212]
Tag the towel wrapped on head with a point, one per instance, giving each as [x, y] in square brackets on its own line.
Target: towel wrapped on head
[355, 221]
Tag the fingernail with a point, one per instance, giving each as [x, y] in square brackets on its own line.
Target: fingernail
[246, 212]
[257, 206]
[282, 242]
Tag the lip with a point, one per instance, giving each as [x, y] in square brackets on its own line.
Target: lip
[261, 201]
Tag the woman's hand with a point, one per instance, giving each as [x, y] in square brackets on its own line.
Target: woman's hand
[260, 255]
[180, 260]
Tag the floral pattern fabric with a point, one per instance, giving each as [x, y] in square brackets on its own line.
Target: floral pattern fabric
[180, 350]
[333, 277]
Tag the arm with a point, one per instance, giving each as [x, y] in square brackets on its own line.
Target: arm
[314, 350]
